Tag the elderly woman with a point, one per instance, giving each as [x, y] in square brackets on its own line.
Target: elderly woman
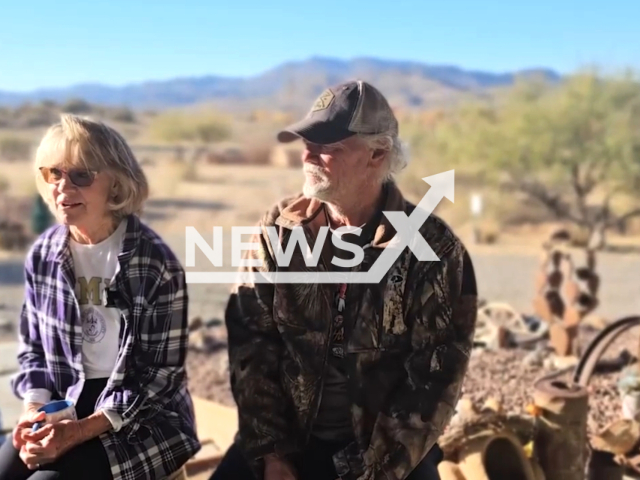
[104, 323]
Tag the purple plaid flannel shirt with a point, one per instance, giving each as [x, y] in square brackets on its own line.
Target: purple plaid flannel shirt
[147, 387]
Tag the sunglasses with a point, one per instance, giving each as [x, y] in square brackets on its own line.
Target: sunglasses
[80, 177]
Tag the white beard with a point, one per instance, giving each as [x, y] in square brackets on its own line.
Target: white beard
[317, 185]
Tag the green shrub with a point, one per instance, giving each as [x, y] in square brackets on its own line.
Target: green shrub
[122, 114]
[77, 106]
[176, 127]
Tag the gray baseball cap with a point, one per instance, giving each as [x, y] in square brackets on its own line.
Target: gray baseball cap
[354, 107]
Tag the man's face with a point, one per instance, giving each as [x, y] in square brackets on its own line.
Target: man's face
[336, 171]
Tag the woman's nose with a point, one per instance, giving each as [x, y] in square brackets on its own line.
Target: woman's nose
[65, 183]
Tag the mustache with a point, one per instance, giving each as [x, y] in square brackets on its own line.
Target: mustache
[315, 170]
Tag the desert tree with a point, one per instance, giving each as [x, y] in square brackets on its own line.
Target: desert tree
[573, 146]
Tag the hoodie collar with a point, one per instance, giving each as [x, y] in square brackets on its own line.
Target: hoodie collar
[304, 211]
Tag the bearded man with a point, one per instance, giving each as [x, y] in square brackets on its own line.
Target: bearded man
[347, 380]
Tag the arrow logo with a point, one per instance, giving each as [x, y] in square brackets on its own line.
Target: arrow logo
[407, 235]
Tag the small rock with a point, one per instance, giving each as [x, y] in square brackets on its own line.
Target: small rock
[535, 358]
[594, 321]
[214, 322]
[565, 361]
[222, 365]
[7, 326]
[195, 324]
[494, 405]
[465, 409]
[197, 339]
[548, 363]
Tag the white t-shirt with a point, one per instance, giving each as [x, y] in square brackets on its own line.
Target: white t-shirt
[95, 266]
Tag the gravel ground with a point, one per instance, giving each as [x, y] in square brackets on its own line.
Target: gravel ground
[505, 375]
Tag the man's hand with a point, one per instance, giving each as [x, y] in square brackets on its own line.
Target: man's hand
[49, 443]
[276, 468]
[26, 421]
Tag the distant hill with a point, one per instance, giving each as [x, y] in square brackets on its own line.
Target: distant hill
[292, 86]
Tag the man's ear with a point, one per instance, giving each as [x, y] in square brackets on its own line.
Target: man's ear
[377, 157]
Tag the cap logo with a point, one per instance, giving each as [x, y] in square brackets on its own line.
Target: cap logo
[323, 101]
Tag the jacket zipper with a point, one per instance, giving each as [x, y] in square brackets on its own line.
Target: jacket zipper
[318, 397]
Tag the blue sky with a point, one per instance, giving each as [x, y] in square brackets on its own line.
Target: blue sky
[53, 44]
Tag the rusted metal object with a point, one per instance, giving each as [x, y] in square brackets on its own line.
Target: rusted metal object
[495, 455]
[594, 351]
[488, 444]
[475, 424]
[556, 425]
[607, 460]
[565, 294]
[561, 437]
[499, 325]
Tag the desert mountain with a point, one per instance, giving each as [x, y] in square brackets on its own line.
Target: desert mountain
[292, 85]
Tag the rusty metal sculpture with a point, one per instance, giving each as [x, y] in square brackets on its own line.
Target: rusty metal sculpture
[554, 432]
[488, 444]
[565, 294]
[610, 456]
[561, 440]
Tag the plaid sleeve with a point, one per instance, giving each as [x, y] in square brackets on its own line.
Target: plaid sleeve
[33, 373]
[163, 338]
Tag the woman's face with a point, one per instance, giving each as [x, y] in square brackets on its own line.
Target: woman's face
[80, 195]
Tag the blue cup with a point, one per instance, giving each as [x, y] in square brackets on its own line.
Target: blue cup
[56, 411]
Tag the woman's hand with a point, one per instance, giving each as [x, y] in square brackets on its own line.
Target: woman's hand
[26, 421]
[50, 442]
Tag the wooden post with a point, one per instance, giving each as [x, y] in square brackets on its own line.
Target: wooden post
[561, 440]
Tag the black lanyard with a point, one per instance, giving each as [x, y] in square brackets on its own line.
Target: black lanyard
[337, 340]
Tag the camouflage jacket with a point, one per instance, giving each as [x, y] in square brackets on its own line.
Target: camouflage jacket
[408, 341]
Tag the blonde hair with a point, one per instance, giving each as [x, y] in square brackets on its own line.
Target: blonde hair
[95, 146]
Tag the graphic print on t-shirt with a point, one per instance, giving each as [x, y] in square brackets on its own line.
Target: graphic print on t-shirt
[94, 325]
[90, 291]
[95, 267]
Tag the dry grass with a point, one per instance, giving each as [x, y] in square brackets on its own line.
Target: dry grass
[20, 178]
